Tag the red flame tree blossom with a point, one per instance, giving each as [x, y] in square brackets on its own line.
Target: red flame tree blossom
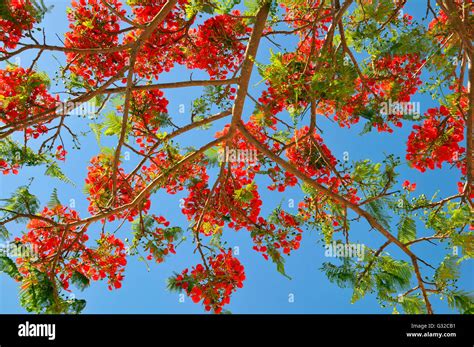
[332, 65]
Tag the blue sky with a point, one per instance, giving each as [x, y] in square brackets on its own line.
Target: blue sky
[265, 290]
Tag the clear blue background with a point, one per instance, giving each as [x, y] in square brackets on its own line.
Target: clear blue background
[265, 290]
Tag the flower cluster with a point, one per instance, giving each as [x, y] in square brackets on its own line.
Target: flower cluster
[400, 76]
[99, 185]
[213, 284]
[109, 260]
[237, 199]
[60, 153]
[160, 240]
[236, 195]
[310, 155]
[163, 160]
[164, 48]
[397, 79]
[436, 140]
[94, 26]
[6, 168]
[439, 28]
[19, 17]
[146, 114]
[281, 179]
[61, 251]
[288, 82]
[215, 45]
[298, 16]
[23, 95]
[282, 233]
[409, 186]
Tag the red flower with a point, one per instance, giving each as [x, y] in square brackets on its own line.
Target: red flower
[213, 284]
[215, 45]
[93, 26]
[23, 17]
[108, 259]
[409, 186]
[100, 186]
[437, 140]
[60, 153]
[24, 94]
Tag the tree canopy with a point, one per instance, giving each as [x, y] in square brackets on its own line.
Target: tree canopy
[348, 61]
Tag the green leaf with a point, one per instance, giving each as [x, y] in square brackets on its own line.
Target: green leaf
[37, 293]
[406, 230]
[308, 189]
[88, 24]
[171, 284]
[466, 242]
[216, 240]
[9, 267]
[278, 260]
[413, 305]
[393, 274]
[4, 234]
[54, 200]
[97, 130]
[281, 268]
[379, 211]
[245, 194]
[54, 170]
[113, 124]
[76, 305]
[448, 270]
[212, 155]
[79, 280]
[22, 201]
[462, 301]
[15, 153]
[342, 275]
[75, 82]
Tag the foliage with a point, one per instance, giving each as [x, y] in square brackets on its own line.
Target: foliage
[340, 68]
